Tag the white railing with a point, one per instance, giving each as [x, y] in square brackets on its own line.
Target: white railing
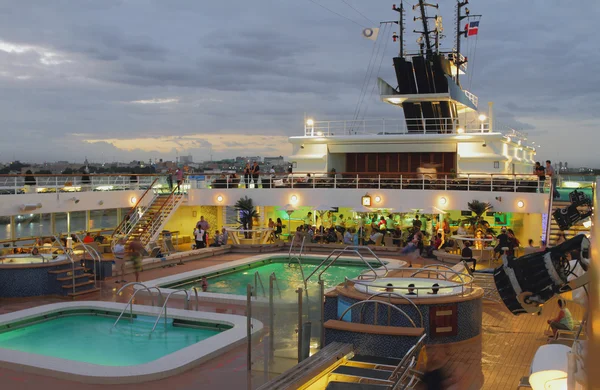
[399, 181]
[160, 218]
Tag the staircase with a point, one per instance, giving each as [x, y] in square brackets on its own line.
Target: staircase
[554, 229]
[147, 222]
[63, 278]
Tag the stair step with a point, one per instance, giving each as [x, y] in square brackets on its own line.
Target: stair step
[78, 293]
[67, 278]
[78, 284]
[60, 271]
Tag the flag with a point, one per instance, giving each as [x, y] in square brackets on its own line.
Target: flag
[472, 28]
[370, 33]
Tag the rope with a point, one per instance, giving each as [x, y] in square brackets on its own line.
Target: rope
[378, 72]
[340, 15]
[365, 82]
[360, 13]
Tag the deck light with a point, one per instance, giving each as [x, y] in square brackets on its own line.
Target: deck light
[378, 199]
[520, 204]
[294, 199]
[133, 200]
[310, 122]
[366, 200]
[460, 130]
[482, 117]
[219, 198]
[443, 201]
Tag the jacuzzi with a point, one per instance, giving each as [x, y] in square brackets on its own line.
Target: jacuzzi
[28, 258]
[422, 287]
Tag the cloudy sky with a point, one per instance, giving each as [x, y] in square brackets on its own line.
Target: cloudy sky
[139, 79]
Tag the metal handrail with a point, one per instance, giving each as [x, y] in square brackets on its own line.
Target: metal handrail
[257, 280]
[195, 289]
[68, 254]
[130, 302]
[390, 293]
[359, 248]
[301, 270]
[160, 216]
[132, 210]
[164, 307]
[291, 246]
[459, 274]
[378, 302]
[276, 283]
[95, 258]
[347, 250]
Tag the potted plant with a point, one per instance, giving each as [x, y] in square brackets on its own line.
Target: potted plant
[245, 206]
[478, 221]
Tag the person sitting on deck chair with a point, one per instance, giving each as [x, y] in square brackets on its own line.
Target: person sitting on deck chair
[216, 240]
[467, 255]
[564, 319]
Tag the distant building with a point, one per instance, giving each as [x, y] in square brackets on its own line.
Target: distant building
[246, 159]
[277, 161]
[186, 159]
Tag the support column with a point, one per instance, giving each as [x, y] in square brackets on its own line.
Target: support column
[13, 229]
[69, 223]
[87, 220]
[53, 224]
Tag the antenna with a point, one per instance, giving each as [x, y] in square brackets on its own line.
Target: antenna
[457, 60]
[424, 18]
[400, 23]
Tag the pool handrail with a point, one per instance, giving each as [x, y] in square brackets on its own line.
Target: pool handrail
[378, 302]
[389, 294]
[359, 247]
[350, 249]
[273, 277]
[129, 303]
[301, 270]
[94, 258]
[164, 308]
[258, 280]
[292, 247]
[66, 252]
[195, 289]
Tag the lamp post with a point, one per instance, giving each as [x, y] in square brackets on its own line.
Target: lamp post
[482, 119]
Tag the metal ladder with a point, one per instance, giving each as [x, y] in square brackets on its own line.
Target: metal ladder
[69, 253]
[349, 249]
[96, 257]
[257, 281]
[186, 306]
[130, 302]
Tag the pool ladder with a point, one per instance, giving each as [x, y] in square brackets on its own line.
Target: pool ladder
[349, 249]
[130, 302]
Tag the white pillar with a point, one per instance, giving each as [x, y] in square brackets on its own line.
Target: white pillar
[491, 116]
[69, 222]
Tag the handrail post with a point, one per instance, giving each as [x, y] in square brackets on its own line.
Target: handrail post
[515, 183]
[299, 292]
[322, 301]
[445, 182]
[357, 180]
[249, 329]
[468, 182]
[400, 181]
[271, 318]
[334, 181]
[378, 182]
[492, 182]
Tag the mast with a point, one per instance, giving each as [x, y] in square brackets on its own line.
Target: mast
[426, 32]
[457, 61]
[400, 23]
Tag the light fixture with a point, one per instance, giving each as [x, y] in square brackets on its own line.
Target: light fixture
[366, 200]
[443, 201]
[482, 117]
[100, 202]
[520, 204]
[460, 130]
[310, 122]
[133, 200]
[219, 198]
[587, 224]
[377, 199]
[294, 199]
[29, 207]
[74, 199]
[320, 133]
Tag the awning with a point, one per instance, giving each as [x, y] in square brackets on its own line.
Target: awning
[307, 157]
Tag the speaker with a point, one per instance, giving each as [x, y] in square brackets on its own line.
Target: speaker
[526, 283]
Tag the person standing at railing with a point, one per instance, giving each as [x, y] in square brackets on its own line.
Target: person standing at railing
[540, 172]
[179, 178]
[246, 175]
[255, 170]
[551, 173]
[85, 178]
[170, 179]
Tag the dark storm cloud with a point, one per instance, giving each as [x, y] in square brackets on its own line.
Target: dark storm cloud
[127, 69]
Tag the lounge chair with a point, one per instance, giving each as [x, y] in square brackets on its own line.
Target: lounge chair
[397, 372]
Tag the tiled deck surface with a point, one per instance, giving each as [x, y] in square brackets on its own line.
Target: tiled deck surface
[496, 360]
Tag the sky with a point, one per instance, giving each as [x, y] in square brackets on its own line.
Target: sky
[144, 79]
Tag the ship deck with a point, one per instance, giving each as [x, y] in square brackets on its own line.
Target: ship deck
[496, 360]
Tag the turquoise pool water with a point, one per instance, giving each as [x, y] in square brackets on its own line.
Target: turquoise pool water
[289, 277]
[87, 338]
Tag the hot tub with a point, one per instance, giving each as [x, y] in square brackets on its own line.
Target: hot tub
[28, 258]
[423, 287]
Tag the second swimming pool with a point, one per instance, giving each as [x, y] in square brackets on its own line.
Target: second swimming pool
[289, 276]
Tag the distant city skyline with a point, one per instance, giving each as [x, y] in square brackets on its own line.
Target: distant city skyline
[95, 79]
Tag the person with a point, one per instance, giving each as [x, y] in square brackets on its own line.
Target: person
[552, 175]
[88, 238]
[561, 238]
[204, 225]
[348, 239]
[136, 249]
[434, 289]
[204, 284]
[341, 226]
[224, 236]
[308, 219]
[35, 251]
[437, 242]
[478, 239]
[530, 242]
[502, 240]
[255, 172]
[99, 238]
[271, 224]
[412, 250]
[390, 224]
[438, 375]
[85, 178]
[466, 255]
[564, 319]
[179, 178]
[170, 179]
[540, 172]
[461, 229]
[411, 289]
[513, 242]
[272, 172]
[217, 239]
[417, 223]
[278, 228]
[247, 175]
[389, 288]
[199, 237]
[119, 253]
[446, 227]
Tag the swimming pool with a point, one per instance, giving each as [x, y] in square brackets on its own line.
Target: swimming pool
[31, 259]
[78, 341]
[227, 283]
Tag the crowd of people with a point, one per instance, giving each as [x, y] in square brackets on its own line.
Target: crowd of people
[202, 236]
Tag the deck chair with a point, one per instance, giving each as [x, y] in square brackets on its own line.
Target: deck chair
[389, 379]
[169, 245]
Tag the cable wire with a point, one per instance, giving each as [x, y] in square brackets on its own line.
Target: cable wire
[378, 72]
[340, 15]
[360, 13]
[365, 81]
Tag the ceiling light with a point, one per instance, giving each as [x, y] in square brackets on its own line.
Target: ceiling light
[377, 199]
[443, 201]
[482, 117]
[294, 199]
[133, 200]
[520, 204]
[219, 198]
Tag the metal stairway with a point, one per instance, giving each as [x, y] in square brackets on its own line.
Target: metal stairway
[146, 222]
